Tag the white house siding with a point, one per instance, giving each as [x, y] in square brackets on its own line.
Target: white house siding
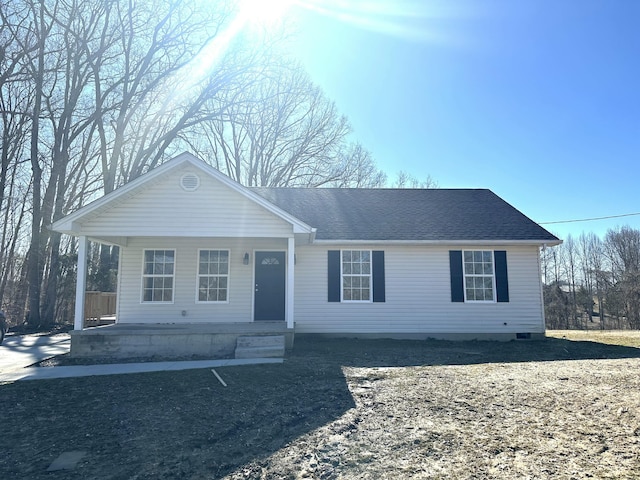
[164, 208]
[240, 293]
[418, 295]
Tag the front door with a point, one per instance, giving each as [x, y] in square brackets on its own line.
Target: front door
[269, 296]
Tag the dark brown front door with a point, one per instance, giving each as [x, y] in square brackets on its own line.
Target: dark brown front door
[269, 295]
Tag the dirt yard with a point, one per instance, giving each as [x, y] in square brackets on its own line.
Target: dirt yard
[346, 409]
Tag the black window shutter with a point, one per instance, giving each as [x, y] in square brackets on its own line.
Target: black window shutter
[377, 271]
[457, 276]
[333, 277]
[502, 279]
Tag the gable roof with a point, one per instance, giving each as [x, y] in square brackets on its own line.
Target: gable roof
[430, 215]
[71, 223]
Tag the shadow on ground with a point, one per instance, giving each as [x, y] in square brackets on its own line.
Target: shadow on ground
[401, 353]
[166, 425]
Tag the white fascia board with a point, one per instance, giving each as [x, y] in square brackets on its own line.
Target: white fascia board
[540, 243]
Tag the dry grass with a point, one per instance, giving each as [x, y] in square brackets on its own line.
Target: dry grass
[346, 409]
[627, 338]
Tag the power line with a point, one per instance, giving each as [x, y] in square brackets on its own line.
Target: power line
[590, 219]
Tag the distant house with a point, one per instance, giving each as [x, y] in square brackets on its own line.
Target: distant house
[201, 253]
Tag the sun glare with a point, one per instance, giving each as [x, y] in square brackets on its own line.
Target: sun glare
[264, 12]
[400, 18]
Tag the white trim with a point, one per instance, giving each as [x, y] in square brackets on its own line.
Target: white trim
[540, 285]
[173, 276]
[342, 274]
[291, 260]
[493, 278]
[488, 243]
[81, 283]
[198, 275]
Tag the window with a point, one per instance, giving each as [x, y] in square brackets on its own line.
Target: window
[369, 284]
[213, 275]
[478, 275]
[157, 276]
[356, 275]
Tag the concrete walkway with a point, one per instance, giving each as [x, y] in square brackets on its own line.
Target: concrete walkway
[20, 351]
[43, 373]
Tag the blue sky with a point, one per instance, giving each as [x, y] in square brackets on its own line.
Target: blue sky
[538, 100]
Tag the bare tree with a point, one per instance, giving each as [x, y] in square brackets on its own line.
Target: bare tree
[623, 247]
[406, 180]
[283, 131]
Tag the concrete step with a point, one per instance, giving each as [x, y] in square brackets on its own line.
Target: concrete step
[260, 346]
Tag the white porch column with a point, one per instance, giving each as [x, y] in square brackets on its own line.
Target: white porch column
[291, 252]
[81, 282]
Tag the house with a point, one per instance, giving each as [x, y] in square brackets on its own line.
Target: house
[204, 260]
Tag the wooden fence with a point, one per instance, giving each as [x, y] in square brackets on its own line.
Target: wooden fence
[99, 308]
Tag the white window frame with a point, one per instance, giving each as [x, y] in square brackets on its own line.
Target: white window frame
[157, 275]
[467, 275]
[361, 275]
[201, 275]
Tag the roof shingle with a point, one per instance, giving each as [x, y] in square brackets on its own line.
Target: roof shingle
[406, 214]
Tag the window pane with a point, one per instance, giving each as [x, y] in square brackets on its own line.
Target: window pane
[478, 270]
[356, 275]
[157, 282]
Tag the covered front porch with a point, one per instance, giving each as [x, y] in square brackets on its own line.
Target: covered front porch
[253, 317]
[203, 261]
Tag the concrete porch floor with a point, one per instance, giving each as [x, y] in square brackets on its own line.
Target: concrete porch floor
[174, 340]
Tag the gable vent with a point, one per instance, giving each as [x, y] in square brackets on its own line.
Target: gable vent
[190, 182]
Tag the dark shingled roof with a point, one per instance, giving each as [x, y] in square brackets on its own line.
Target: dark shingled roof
[406, 214]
